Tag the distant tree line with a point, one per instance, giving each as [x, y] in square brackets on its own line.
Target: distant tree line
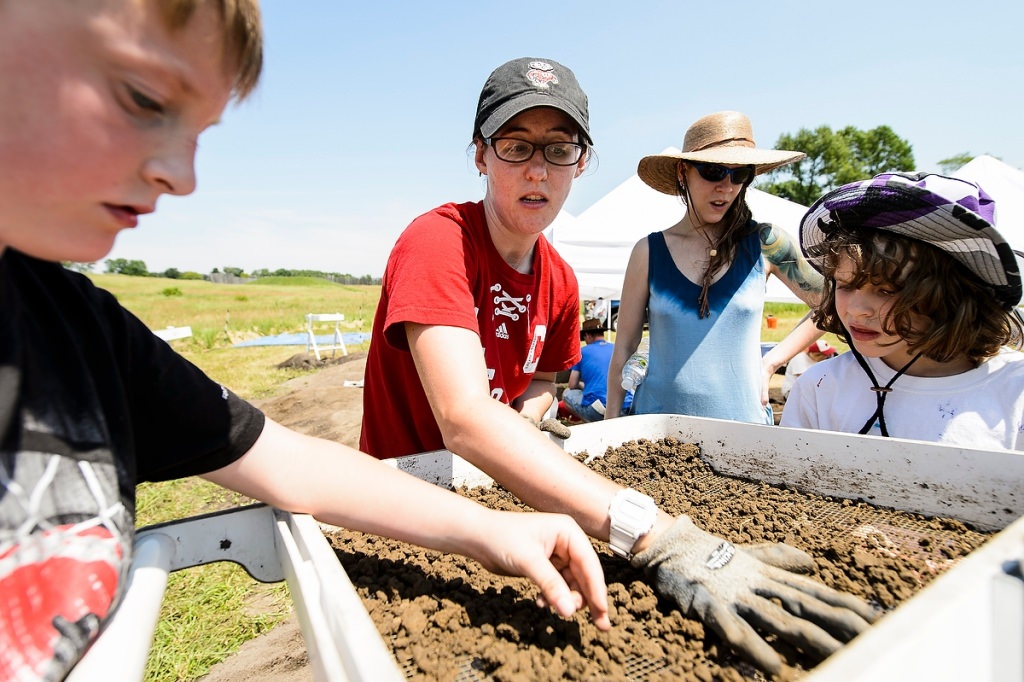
[330, 276]
[137, 268]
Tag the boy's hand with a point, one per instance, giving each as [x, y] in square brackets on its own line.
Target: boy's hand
[553, 552]
[732, 589]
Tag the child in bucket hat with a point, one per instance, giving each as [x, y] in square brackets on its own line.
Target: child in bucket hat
[703, 281]
[923, 287]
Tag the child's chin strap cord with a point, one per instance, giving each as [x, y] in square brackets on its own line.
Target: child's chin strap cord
[880, 391]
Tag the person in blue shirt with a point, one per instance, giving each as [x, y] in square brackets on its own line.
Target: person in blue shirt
[587, 394]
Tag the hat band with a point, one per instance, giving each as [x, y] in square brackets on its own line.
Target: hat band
[741, 142]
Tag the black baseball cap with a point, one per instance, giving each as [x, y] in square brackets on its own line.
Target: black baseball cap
[530, 82]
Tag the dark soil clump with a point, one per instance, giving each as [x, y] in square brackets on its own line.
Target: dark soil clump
[308, 361]
[446, 618]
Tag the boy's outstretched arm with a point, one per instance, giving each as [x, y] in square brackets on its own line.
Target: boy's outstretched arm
[344, 487]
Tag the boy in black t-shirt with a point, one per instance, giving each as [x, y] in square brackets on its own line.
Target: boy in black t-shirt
[102, 107]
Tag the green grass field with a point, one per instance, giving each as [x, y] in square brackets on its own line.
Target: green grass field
[224, 314]
[210, 611]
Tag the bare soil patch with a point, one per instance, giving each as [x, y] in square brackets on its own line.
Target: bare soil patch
[320, 404]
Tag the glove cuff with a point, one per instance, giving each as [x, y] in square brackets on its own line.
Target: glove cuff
[685, 539]
[682, 527]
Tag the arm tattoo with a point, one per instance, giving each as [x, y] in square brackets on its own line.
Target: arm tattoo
[779, 249]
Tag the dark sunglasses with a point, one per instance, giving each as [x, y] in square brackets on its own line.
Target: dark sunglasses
[714, 172]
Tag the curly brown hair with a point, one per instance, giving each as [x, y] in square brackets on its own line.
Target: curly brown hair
[960, 312]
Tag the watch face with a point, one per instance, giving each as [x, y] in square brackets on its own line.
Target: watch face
[632, 514]
[629, 512]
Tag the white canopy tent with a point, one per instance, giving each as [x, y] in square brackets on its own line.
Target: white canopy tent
[597, 243]
[1005, 184]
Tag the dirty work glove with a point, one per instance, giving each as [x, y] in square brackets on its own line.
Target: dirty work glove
[552, 426]
[731, 590]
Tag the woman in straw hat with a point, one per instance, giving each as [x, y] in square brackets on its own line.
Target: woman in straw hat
[923, 288]
[477, 315]
[702, 282]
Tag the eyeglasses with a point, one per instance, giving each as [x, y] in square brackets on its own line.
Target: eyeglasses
[713, 172]
[520, 151]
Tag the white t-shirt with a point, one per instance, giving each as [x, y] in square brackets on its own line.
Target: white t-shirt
[794, 368]
[981, 408]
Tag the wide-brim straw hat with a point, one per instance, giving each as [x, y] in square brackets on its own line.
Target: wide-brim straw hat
[725, 137]
[952, 214]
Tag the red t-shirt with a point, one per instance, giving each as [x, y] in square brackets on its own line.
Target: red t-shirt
[444, 270]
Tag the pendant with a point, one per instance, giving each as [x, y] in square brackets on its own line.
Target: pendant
[713, 253]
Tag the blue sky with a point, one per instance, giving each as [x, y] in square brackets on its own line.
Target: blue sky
[363, 117]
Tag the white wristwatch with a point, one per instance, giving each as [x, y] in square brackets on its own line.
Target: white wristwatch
[632, 516]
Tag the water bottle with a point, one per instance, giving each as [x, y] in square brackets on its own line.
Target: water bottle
[635, 369]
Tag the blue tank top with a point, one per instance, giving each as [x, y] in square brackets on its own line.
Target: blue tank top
[707, 367]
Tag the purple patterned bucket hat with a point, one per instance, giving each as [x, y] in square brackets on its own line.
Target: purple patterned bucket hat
[952, 214]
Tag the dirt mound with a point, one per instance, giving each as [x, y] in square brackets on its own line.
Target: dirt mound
[277, 656]
[327, 403]
[309, 361]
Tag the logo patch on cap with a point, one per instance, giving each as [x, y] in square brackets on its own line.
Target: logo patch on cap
[541, 74]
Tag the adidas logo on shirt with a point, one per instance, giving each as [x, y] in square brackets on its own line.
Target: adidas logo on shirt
[501, 332]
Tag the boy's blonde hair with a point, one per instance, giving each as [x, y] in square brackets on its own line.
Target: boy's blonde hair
[243, 36]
